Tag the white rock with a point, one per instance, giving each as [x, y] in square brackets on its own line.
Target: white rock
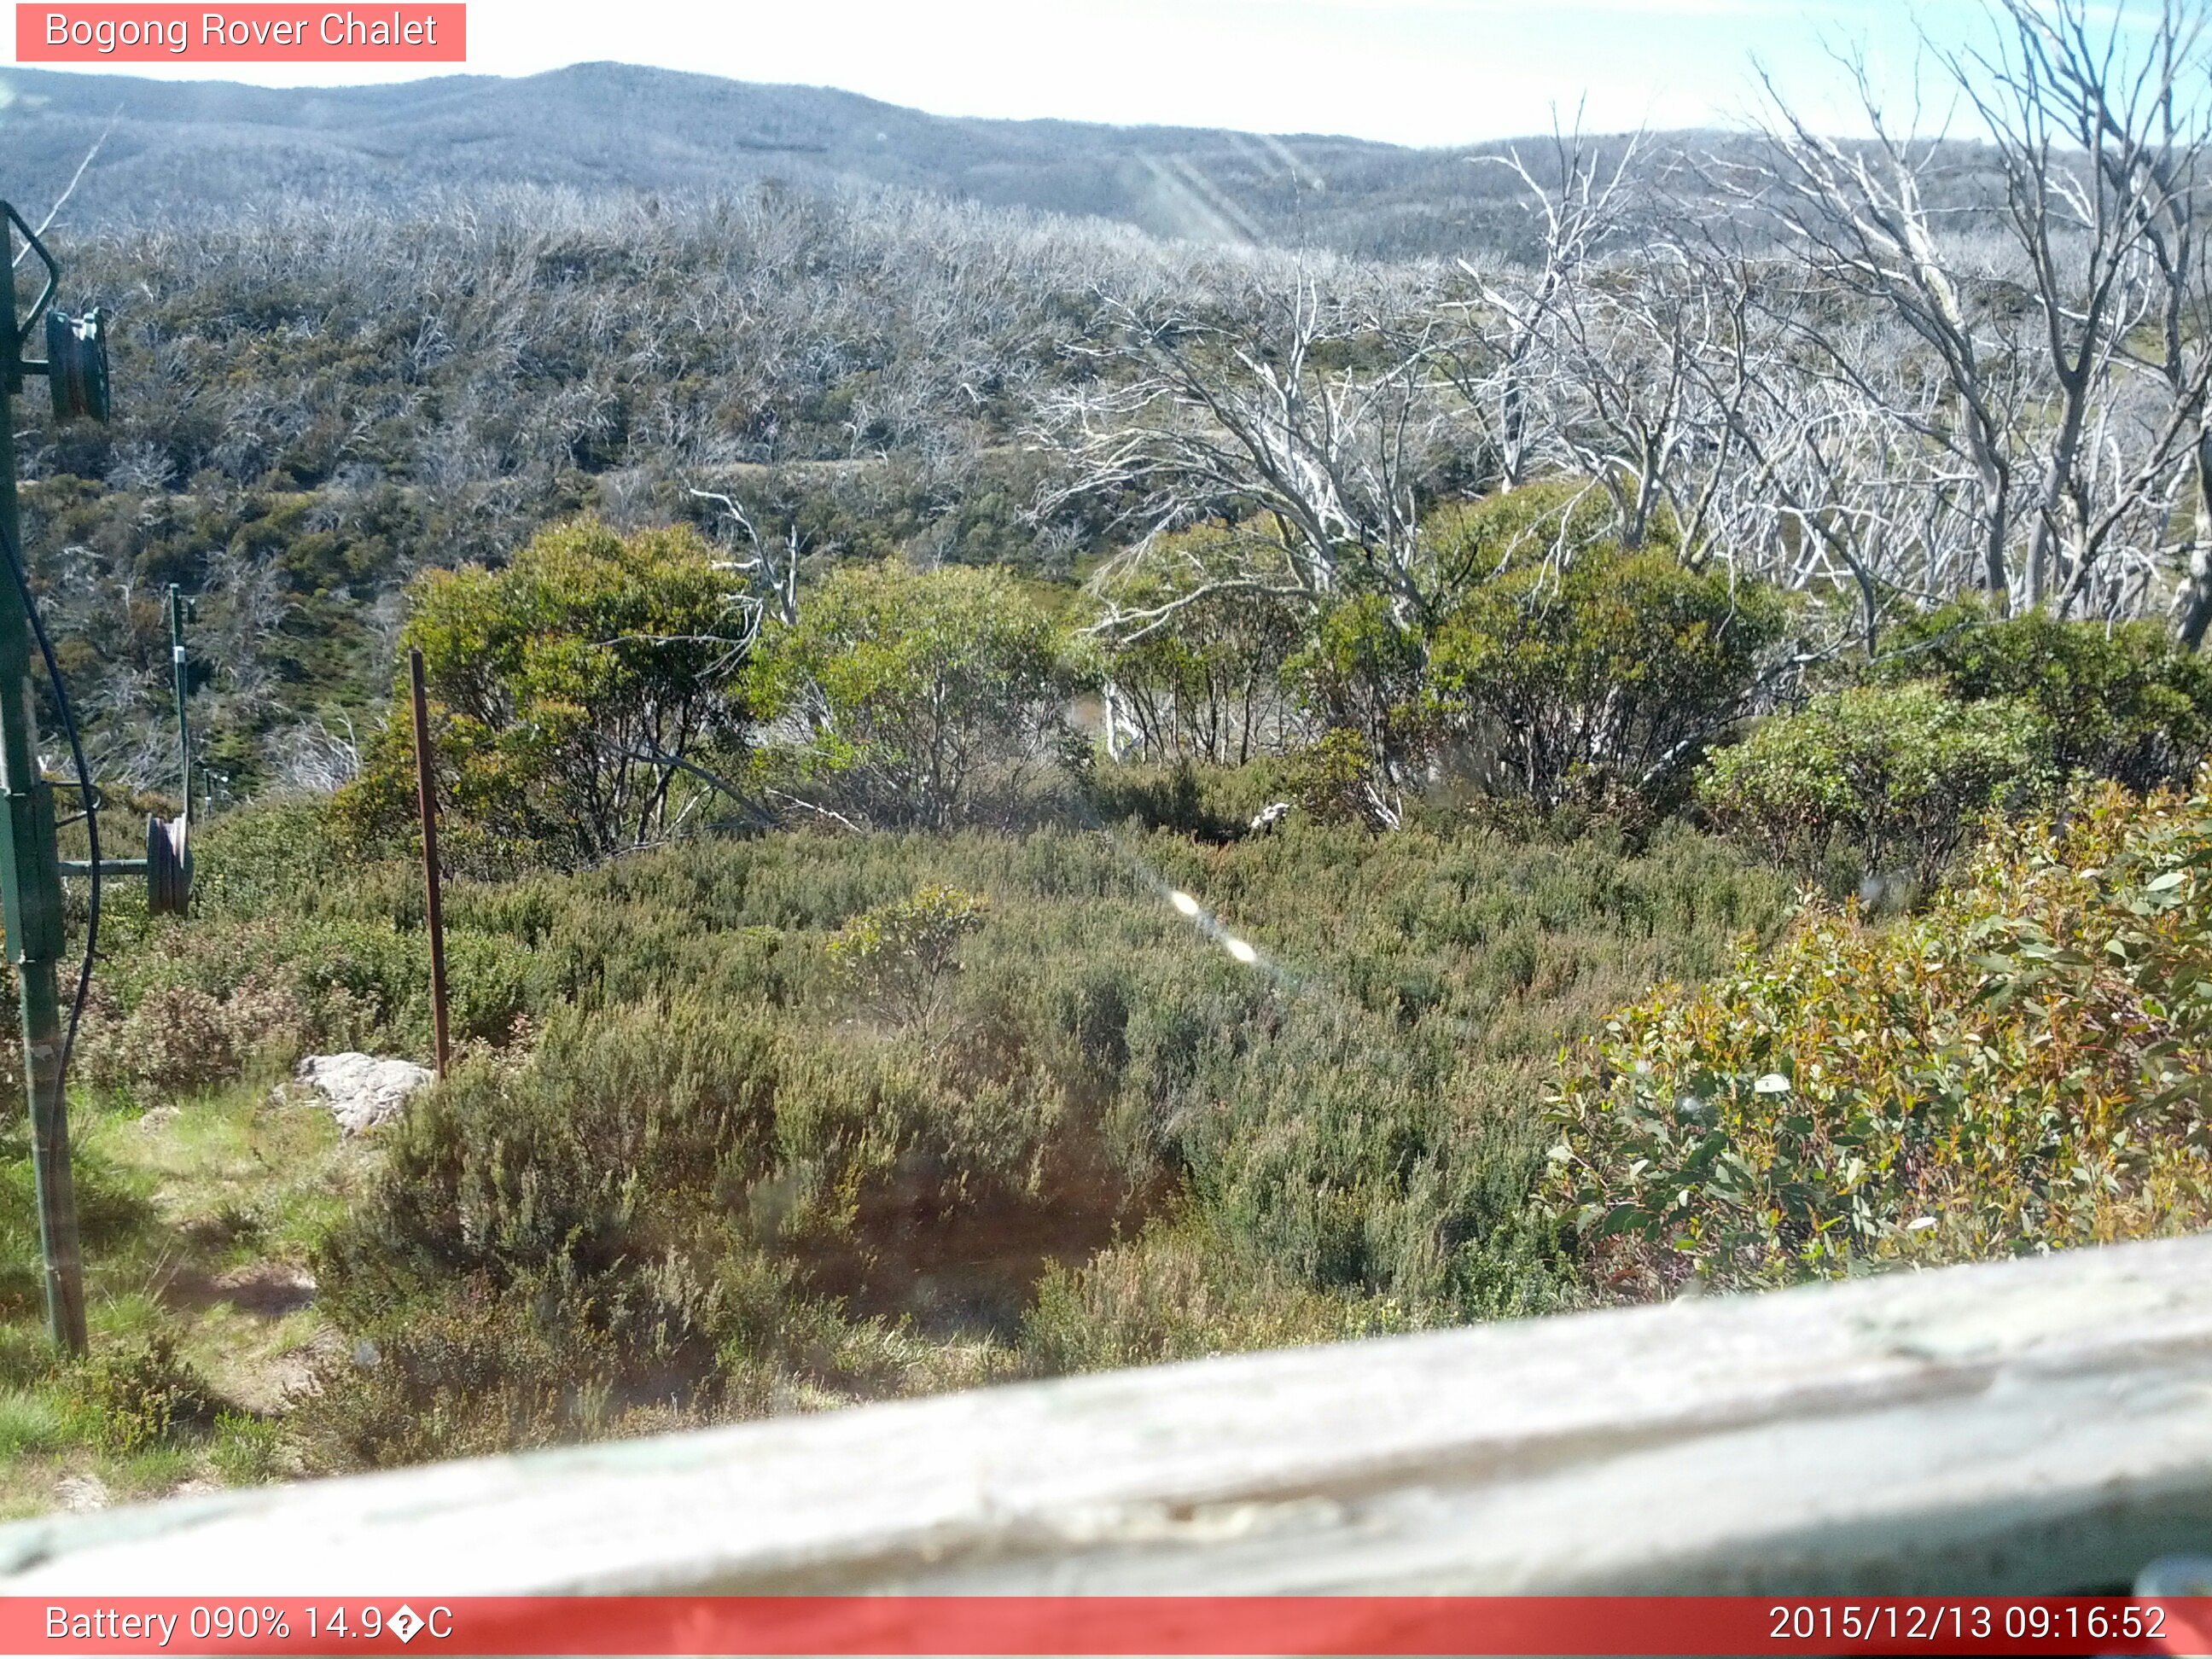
[81, 1492]
[362, 1090]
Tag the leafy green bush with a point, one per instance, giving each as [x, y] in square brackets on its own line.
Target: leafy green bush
[1605, 679]
[1337, 779]
[570, 1163]
[200, 1003]
[1899, 773]
[1361, 671]
[2122, 701]
[896, 958]
[139, 1398]
[1547, 521]
[1155, 798]
[1200, 674]
[568, 688]
[2023, 1068]
[275, 853]
[283, 958]
[919, 693]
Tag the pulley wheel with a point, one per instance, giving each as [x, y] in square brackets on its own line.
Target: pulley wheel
[168, 867]
[76, 365]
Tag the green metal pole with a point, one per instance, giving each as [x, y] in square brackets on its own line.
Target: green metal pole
[184, 724]
[30, 899]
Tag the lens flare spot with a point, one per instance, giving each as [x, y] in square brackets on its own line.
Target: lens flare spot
[1183, 903]
[1238, 949]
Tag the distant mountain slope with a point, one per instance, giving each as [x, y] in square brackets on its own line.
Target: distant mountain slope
[180, 150]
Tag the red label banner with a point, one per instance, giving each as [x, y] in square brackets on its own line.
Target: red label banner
[308, 33]
[1100, 1626]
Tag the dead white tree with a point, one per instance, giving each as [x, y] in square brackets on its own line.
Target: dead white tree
[1302, 419]
[2063, 323]
[1833, 484]
[2095, 147]
[1861, 221]
[1305, 419]
[1654, 355]
[770, 570]
[2135, 109]
[1507, 372]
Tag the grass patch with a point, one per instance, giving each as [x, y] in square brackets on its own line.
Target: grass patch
[32, 1421]
[198, 1217]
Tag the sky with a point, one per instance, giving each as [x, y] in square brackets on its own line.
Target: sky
[1406, 71]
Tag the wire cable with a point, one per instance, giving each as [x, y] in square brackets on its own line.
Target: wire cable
[84, 788]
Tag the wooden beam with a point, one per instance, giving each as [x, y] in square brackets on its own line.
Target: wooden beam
[2040, 1425]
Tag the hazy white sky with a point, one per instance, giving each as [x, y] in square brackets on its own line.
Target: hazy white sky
[1414, 71]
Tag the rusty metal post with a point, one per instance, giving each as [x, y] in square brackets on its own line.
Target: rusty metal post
[426, 789]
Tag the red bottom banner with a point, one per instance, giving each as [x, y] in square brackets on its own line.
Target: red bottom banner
[1104, 1625]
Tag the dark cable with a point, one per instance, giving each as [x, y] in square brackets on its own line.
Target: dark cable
[84, 788]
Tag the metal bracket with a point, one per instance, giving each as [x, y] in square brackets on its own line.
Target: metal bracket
[53, 275]
[34, 917]
[19, 333]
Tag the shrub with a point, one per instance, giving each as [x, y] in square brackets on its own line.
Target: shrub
[1181, 797]
[1361, 672]
[1603, 679]
[712, 1201]
[272, 854]
[138, 1399]
[568, 1164]
[717, 1191]
[1899, 773]
[249, 1451]
[1203, 679]
[465, 1372]
[919, 693]
[896, 957]
[179, 1038]
[2022, 1067]
[2121, 701]
[1546, 521]
[1166, 1296]
[1337, 779]
[568, 688]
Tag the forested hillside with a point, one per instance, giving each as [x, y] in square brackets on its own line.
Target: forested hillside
[206, 152]
[311, 408]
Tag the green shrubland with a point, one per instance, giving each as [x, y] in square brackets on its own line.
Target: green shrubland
[919, 698]
[1015, 802]
[752, 1122]
[836, 1020]
[1605, 680]
[572, 685]
[2123, 701]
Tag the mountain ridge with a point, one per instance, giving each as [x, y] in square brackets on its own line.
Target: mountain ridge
[179, 149]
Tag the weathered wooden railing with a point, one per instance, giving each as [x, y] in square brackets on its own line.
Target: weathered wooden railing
[2035, 1426]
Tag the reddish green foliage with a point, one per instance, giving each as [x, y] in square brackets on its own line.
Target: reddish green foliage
[2025, 1066]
